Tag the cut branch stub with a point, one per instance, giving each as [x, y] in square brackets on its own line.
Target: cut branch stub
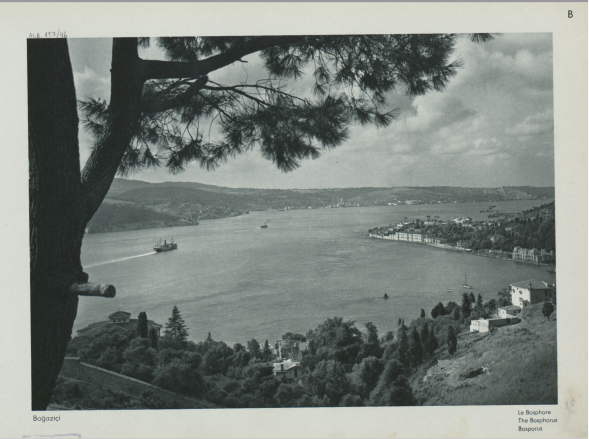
[91, 289]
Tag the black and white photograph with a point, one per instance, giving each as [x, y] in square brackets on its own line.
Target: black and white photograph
[225, 221]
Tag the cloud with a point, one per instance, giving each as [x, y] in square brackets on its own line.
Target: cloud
[437, 112]
[90, 84]
[538, 123]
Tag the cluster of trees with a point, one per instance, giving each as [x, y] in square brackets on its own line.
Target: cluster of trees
[342, 366]
[471, 308]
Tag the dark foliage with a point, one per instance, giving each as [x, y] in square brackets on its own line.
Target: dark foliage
[438, 310]
[368, 373]
[371, 346]
[415, 348]
[393, 387]
[328, 379]
[175, 327]
[153, 338]
[336, 340]
[451, 340]
[547, 309]
[465, 308]
[142, 330]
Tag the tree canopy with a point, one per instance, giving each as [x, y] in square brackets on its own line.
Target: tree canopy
[352, 75]
[175, 326]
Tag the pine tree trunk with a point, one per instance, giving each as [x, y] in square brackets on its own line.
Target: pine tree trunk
[56, 229]
[62, 199]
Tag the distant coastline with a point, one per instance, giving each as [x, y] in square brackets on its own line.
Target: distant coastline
[442, 246]
[509, 238]
[135, 205]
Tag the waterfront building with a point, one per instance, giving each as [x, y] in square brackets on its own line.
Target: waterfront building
[529, 292]
[462, 245]
[533, 256]
[428, 239]
[413, 236]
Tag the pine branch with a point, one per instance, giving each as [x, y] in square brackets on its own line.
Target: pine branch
[153, 69]
[242, 93]
[156, 106]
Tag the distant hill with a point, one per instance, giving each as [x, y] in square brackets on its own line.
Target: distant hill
[177, 194]
[120, 185]
[132, 204]
[112, 217]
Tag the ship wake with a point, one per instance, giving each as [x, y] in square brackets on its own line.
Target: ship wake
[120, 260]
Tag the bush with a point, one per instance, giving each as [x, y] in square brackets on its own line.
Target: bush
[180, 377]
[288, 395]
[547, 309]
[328, 380]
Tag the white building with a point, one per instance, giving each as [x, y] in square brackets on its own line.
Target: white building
[486, 325]
[529, 292]
[508, 311]
[288, 370]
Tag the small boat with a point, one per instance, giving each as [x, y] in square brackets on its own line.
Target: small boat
[166, 246]
[448, 290]
[385, 296]
[465, 284]
[264, 226]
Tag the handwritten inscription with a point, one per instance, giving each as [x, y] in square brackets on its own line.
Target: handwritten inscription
[49, 34]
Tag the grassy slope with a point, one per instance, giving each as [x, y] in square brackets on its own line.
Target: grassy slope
[521, 364]
[89, 396]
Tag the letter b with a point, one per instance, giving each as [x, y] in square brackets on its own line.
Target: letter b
[570, 14]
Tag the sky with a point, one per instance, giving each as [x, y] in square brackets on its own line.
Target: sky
[492, 126]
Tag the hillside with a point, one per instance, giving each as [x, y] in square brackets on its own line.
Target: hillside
[514, 365]
[134, 204]
[113, 216]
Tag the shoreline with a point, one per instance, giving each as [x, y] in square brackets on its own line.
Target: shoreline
[464, 250]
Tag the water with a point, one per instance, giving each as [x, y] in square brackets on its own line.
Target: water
[238, 281]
